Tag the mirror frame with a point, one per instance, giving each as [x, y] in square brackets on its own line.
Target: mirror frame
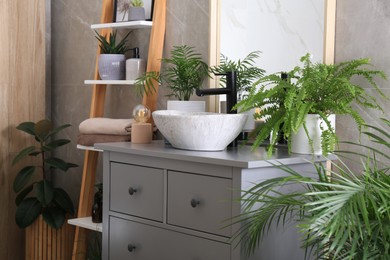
[215, 40]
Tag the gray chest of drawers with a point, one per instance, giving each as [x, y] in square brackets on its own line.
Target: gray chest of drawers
[166, 204]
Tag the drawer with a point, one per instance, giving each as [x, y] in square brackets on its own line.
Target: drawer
[200, 202]
[137, 191]
[152, 243]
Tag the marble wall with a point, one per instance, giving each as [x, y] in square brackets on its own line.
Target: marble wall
[73, 61]
[283, 30]
[362, 31]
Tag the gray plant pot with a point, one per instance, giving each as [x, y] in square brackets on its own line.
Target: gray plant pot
[112, 66]
[136, 13]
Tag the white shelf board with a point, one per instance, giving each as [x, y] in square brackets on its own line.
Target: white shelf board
[123, 25]
[86, 223]
[89, 148]
[109, 82]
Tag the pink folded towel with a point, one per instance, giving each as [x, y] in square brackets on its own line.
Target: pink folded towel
[107, 126]
[91, 139]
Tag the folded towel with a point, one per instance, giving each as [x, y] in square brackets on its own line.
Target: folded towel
[91, 139]
[107, 126]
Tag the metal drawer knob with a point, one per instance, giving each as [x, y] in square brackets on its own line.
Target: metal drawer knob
[130, 247]
[194, 203]
[132, 191]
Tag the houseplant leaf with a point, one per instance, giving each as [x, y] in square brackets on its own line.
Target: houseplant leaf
[42, 128]
[23, 177]
[57, 163]
[45, 192]
[54, 216]
[56, 143]
[27, 127]
[23, 194]
[23, 153]
[58, 129]
[27, 212]
[64, 201]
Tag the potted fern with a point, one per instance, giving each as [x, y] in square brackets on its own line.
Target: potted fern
[314, 90]
[112, 59]
[136, 10]
[185, 72]
[342, 217]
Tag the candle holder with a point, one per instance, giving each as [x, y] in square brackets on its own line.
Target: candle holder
[141, 131]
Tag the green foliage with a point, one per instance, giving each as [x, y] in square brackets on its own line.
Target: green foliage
[345, 216]
[137, 3]
[185, 72]
[314, 88]
[40, 197]
[109, 46]
[247, 71]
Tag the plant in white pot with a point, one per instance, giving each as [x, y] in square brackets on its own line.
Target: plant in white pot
[136, 10]
[314, 90]
[184, 73]
[112, 58]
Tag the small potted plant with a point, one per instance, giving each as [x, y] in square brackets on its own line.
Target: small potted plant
[112, 58]
[136, 10]
[40, 205]
[184, 73]
[312, 91]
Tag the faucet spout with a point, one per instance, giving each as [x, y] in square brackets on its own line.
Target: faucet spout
[230, 91]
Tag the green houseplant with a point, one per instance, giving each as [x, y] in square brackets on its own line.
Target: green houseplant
[185, 72]
[112, 54]
[40, 197]
[314, 88]
[345, 216]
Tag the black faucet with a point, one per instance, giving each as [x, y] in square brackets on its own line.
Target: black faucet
[230, 91]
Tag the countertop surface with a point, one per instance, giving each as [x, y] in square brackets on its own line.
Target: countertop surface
[242, 157]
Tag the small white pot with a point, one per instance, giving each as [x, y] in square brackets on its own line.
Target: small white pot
[186, 106]
[300, 141]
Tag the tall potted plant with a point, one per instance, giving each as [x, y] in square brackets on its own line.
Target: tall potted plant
[184, 72]
[112, 59]
[341, 214]
[40, 205]
[136, 10]
[316, 90]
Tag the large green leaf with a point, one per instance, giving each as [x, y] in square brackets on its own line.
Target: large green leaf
[23, 177]
[27, 212]
[23, 194]
[23, 153]
[57, 143]
[42, 128]
[45, 192]
[54, 216]
[27, 127]
[63, 200]
[57, 163]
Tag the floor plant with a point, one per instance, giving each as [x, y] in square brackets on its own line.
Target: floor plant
[341, 214]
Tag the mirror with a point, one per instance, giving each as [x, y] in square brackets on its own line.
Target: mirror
[283, 30]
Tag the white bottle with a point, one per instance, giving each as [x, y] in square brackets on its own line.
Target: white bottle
[135, 67]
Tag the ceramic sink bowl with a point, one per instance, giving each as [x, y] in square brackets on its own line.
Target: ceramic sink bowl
[199, 131]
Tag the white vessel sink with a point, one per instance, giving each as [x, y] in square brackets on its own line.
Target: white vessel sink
[199, 131]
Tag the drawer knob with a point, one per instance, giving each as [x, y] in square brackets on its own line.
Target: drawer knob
[194, 203]
[130, 247]
[132, 191]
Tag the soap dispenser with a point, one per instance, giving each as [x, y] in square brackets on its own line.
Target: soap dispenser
[135, 67]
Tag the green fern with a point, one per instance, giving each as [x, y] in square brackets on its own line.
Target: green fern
[185, 72]
[314, 88]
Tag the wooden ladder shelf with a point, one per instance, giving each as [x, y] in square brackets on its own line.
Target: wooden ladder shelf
[156, 44]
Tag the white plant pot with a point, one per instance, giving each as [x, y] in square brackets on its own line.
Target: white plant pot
[186, 106]
[112, 66]
[300, 141]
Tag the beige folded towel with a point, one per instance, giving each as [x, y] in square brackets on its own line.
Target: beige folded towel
[91, 139]
[108, 126]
